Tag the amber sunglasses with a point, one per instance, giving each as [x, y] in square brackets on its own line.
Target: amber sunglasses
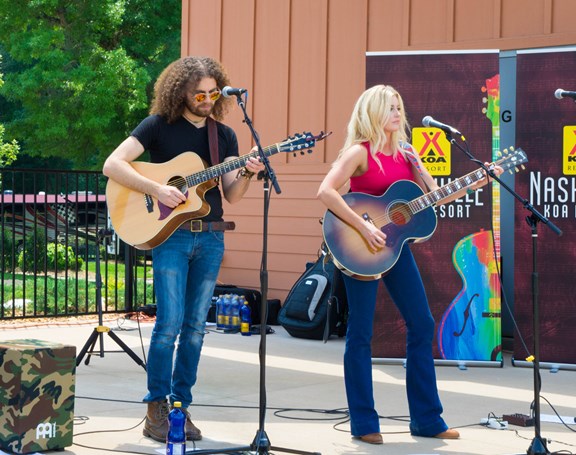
[201, 97]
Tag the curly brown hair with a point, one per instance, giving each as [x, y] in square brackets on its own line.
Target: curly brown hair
[182, 76]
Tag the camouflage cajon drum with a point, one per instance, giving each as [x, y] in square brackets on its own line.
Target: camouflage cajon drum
[36, 395]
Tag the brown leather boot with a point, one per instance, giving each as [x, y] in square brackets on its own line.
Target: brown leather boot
[156, 425]
[193, 433]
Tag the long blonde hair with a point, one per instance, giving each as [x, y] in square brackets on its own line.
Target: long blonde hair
[371, 112]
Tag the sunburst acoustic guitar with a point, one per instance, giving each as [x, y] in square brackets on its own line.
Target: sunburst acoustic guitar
[404, 213]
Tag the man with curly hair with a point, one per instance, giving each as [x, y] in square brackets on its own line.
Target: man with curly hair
[187, 98]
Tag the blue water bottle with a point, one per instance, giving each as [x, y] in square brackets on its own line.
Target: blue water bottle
[235, 313]
[245, 319]
[227, 312]
[220, 317]
[176, 437]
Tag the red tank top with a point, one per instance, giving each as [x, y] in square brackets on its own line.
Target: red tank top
[376, 181]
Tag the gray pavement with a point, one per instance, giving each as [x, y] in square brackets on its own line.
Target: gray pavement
[303, 384]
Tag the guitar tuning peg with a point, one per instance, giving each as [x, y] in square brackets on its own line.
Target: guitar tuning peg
[523, 167]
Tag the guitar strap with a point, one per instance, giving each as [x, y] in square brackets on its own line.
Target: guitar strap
[409, 153]
[213, 140]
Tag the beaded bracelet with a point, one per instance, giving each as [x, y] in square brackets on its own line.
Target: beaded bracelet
[245, 173]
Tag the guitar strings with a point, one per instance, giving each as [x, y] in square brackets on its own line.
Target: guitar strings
[402, 214]
[181, 181]
[217, 169]
[396, 215]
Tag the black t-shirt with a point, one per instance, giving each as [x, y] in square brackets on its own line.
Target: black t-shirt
[166, 141]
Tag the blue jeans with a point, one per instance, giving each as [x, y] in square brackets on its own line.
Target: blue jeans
[405, 287]
[186, 268]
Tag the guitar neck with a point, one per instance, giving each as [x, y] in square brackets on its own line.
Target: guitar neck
[496, 192]
[228, 166]
[444, 192]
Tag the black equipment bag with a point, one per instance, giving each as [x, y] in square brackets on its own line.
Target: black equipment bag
[316, 306]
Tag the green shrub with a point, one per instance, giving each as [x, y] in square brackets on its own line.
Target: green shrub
[40, 256]
[33, 254]
[60, 257]
[8, 254]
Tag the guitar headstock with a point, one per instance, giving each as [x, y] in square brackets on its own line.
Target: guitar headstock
[512, 159]
[492, 109]
[302, 143]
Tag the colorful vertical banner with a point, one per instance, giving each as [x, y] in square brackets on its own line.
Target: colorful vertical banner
[547, 127]
[458, 263]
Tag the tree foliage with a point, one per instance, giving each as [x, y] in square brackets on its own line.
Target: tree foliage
[83, 71]
[8, 150]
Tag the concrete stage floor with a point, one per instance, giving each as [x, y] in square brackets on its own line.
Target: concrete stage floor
[305, 397]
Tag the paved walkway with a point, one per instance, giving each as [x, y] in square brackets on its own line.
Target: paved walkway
[304, 388]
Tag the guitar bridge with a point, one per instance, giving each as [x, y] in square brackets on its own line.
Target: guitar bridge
[149, 202]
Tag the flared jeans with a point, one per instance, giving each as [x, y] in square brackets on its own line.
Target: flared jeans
[405, 287]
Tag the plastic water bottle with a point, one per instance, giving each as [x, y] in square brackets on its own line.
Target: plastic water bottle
[245, 319]
[176, 437]
[220, 317]
[226, 311]
[235, 313]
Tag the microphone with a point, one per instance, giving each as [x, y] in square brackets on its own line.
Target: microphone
[231, 91]
[560, 93]
[431, 123]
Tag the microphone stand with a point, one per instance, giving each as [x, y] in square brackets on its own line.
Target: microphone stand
[101, 329]
[538, 444]
[261, 444]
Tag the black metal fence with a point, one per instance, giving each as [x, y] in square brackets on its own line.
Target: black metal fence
[51, 225]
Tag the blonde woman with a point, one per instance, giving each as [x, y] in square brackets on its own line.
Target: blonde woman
[375, 155]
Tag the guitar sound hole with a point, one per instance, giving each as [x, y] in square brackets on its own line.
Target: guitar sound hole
[179, 182]
[399, 214]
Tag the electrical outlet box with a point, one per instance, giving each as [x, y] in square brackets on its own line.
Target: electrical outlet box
[522, 420]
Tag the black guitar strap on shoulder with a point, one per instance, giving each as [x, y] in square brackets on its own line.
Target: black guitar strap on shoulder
[213, 140]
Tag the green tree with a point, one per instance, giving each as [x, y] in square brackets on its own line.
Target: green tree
[84, 71]
[8, 150]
